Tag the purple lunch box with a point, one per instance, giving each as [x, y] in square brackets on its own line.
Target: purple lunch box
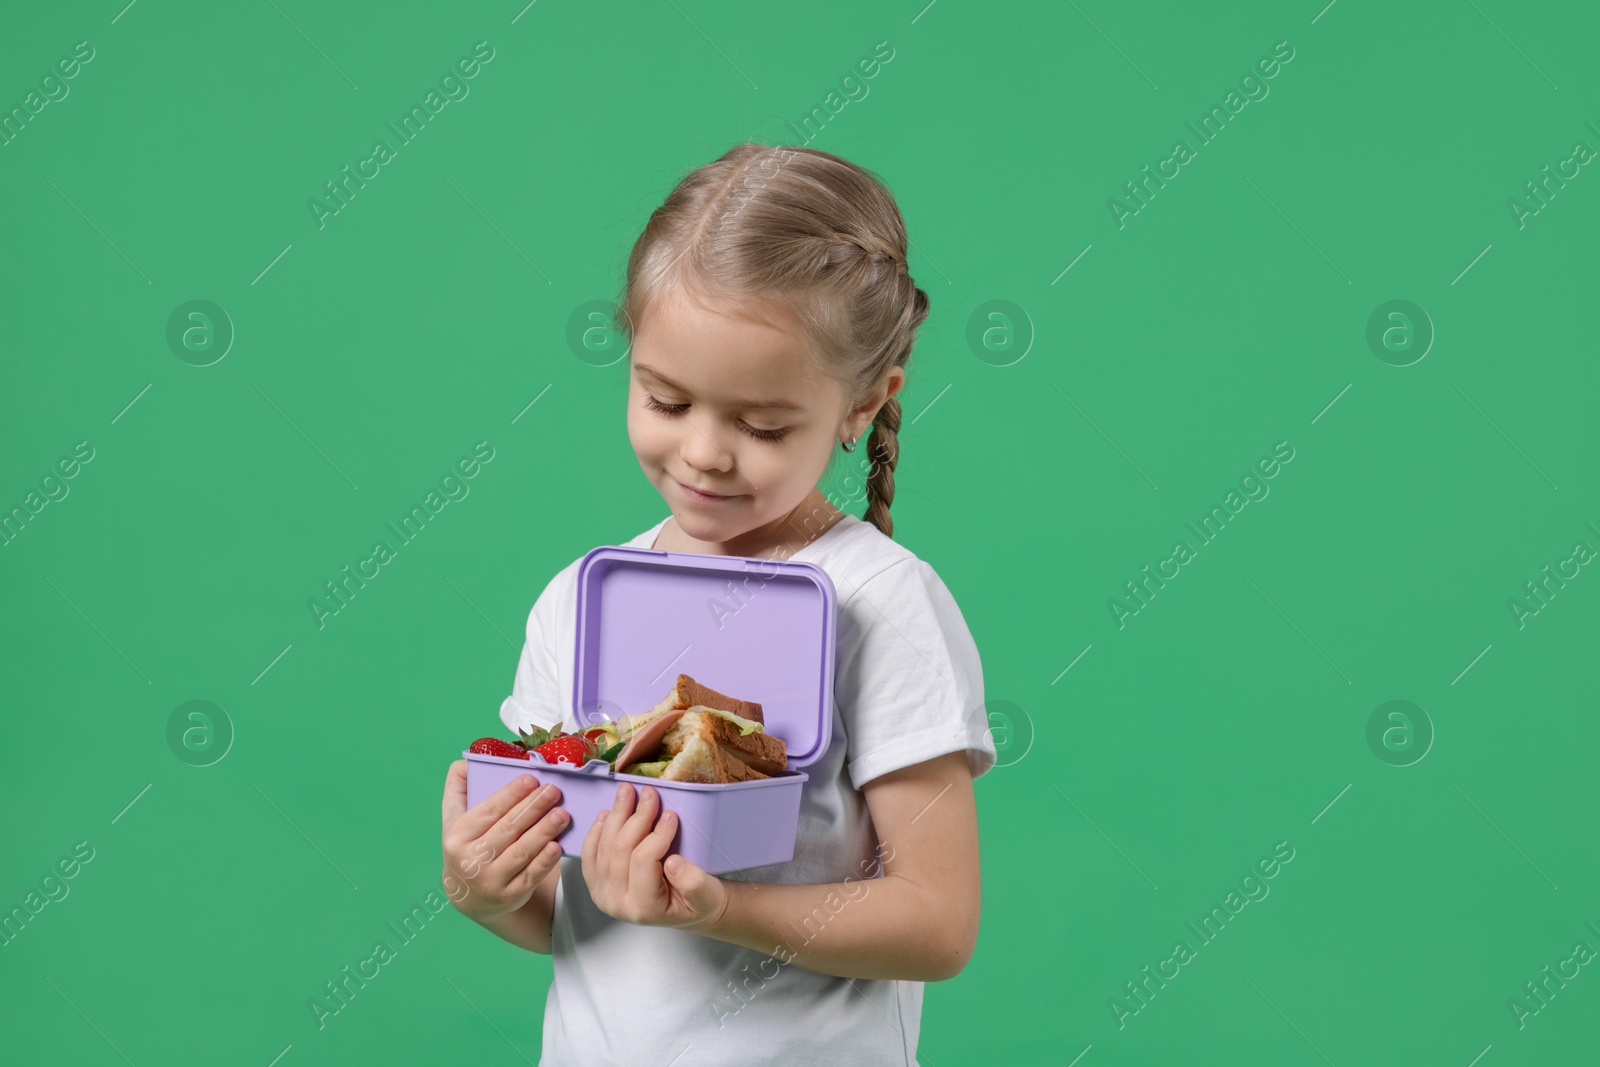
[756, 629]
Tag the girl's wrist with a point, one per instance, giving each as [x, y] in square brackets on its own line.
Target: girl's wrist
[526, 926]
[718, 922]
[465, 902]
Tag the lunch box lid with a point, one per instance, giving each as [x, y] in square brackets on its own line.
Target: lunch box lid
[755, 629]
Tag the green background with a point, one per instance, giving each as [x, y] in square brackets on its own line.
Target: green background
[1138, 786]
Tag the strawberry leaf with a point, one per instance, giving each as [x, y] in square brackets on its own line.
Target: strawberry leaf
[533, 740]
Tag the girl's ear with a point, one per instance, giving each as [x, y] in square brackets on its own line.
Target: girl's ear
[887, 387]
[893, 381]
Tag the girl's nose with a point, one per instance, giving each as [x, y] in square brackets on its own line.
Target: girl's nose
[702, 448]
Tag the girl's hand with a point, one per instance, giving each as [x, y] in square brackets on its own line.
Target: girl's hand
[499, 851]
[622, 864]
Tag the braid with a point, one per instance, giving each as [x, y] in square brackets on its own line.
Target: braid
[883, 451]
[883, 445]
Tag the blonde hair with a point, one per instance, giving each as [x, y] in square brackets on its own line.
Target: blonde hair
[810, 234]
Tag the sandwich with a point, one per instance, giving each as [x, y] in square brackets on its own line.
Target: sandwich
[696, 734]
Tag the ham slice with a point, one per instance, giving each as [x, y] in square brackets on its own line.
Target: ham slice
[647, 738]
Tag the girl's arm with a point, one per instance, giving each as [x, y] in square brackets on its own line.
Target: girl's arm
[529, 926]
[918, 922]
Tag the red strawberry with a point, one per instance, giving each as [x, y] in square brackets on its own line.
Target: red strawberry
[566, 748]
[493, 746]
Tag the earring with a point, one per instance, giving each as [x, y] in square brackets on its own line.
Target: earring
[851, 447]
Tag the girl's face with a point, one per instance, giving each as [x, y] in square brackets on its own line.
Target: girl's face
[733, 407]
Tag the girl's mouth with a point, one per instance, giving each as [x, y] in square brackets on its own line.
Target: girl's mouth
[695, 494]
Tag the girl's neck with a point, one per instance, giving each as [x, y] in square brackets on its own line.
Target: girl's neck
[781, 539]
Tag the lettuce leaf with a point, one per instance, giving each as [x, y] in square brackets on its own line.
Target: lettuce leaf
[746, 726]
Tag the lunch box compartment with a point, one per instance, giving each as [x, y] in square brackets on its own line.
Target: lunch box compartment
[756, 629]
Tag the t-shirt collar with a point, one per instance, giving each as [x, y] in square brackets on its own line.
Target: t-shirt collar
[648, 538]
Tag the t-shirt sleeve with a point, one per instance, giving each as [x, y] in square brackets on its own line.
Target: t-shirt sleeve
[535, 698]
[909, 681]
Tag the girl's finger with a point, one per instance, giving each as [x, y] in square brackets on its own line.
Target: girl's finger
[530, 846]
[621, 809]
[530, 811]
[455, 792]
[653, 849]
[640, 822]
[591, 845]
[488, 811]
[544, 862]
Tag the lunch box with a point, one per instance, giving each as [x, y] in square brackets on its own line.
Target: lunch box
[756, 629]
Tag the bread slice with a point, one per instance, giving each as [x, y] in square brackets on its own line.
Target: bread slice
[687, 693]
[702, 761]
[758, 751]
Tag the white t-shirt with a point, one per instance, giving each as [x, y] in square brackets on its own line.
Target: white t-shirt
[908, 686]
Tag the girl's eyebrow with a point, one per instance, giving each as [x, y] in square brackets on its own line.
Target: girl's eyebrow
[783, 405]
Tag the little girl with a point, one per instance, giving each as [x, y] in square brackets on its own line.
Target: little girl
[769, 314]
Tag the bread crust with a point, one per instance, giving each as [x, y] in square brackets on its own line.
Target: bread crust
[687, 692]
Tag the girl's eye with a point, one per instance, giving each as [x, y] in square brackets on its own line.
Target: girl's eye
[763, 435]
[666, 409]
[678, 409]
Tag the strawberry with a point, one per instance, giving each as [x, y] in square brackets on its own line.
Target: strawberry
[493, 746]
[567, 748]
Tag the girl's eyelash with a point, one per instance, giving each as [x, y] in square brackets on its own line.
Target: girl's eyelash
[666, 409]
[677, 409]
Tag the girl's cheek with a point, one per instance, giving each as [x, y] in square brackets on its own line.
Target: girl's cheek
[651, 444]
[638, 432]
